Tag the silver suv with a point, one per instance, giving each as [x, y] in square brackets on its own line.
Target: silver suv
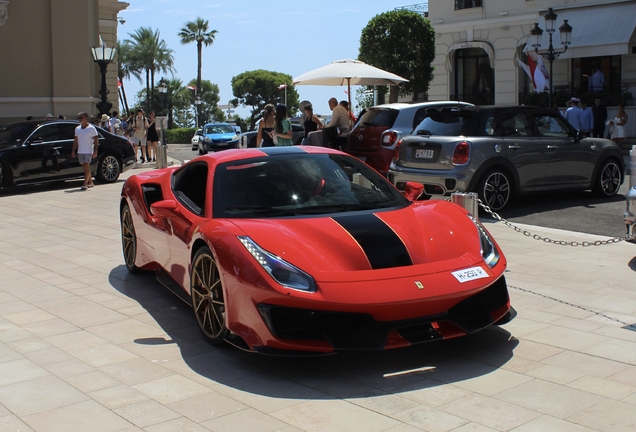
[379, 128]
[497, 151]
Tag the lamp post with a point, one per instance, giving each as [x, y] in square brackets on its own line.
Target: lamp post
[161, 124]
[551, 54]
[103, 56]
[197, 102]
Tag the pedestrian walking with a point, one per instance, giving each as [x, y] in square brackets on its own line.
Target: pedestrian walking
[587, 119]
[573, 114]
[266, 126]
[152, 139]
[140, 127]
[85, 147]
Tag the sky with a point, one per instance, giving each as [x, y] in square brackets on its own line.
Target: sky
[281, 36]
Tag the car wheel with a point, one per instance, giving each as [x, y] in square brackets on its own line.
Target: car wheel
[108, 169]
[208, 300]
[608, 179]
[495, 189]
[128, 240]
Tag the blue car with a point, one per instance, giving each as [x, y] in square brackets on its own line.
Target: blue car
[217, 136]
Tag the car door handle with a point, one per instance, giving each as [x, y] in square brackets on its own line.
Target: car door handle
[553, 147]
[514, 146]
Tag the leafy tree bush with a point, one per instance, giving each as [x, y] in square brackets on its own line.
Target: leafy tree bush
[180, 135]
[402, 42]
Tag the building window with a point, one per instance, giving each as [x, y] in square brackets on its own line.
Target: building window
[467, 4]
[609, 67]
[474, 79]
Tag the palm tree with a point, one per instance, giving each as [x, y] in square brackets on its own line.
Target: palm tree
[149, 54]
[197, 30]
[124, 69]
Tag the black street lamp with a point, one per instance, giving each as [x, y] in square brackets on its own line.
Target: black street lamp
[163, 89]
[103, 56]
[551, 54]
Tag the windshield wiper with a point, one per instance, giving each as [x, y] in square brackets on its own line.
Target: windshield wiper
[424, 132]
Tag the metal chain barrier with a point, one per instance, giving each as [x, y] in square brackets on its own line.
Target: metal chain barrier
[547, 239]
[629, 326]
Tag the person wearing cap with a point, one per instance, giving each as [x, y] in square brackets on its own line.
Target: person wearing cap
[573, 114]
[105, 123]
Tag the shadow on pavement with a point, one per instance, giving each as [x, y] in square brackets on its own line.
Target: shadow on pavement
[68, 186]
[344, 375]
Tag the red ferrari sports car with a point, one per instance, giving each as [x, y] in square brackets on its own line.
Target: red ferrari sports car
[290, 250]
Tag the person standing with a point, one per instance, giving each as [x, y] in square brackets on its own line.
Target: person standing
[153, 138]
[116, 125]
[340, 119]
[573, 114]
[265, 127]
[105, 123]
[596, 81]
[599, 112]
[587, 119]
[85, 147]
[619, 122]
[140, 130]
[312, 122]
[282, 134]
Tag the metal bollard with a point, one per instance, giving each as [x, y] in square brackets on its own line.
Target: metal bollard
[632, 167]
[630, 212]
[161, 123]
[467, 200]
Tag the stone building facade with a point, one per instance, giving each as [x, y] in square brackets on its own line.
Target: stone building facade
[47, 65]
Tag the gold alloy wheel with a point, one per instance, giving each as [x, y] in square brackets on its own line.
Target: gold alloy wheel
[128, 239]
[208, 300]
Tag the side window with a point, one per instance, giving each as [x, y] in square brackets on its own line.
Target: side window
[551, 125]
[45, 134]
[420, 115]
[189, 185]
[517, 125]
[490, 127]
[66, 131]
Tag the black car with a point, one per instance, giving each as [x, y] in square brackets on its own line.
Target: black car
[40, 150]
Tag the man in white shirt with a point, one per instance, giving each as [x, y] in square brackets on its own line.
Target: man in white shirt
[340, 118]
[85, 146]
[573, 114]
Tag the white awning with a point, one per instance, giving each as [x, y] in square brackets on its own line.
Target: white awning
[596, 31]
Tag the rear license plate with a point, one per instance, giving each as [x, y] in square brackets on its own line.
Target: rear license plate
[423, 154]
[470, 274]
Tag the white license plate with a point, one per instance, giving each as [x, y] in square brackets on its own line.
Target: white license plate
[423, 154]
[470, 274]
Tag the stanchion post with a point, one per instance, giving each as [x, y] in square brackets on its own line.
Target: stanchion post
[161, 123]
[466, 200]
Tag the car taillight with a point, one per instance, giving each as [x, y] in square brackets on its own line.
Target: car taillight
[461, 153]
[389, 138]
[396, 152]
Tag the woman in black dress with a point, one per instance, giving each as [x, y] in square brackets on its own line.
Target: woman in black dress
[266, 126]
[152, 139]
[312, 122]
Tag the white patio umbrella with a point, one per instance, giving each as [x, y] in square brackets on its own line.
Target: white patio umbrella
[351, 72]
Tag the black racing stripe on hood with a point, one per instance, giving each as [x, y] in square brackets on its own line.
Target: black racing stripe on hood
[384, 249]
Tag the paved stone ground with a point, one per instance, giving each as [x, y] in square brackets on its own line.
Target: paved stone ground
[84, 346]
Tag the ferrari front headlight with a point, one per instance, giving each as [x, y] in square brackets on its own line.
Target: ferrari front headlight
[488, 249]
[283, 272]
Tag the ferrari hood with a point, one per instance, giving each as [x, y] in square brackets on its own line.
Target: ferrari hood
[439, 234]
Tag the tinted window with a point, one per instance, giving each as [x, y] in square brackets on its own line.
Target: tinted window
[290, 185]
[551, 125]
[67, 131]
[516, 124]
[218, 129]
[447, 122]
[189, 185]
[45, 133]
[379, 117]
[15, 133]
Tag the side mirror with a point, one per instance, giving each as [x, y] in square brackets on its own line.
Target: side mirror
[164, 209]
[413, 190]
[580, 135]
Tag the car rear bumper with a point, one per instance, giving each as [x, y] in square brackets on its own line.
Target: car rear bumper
[436, 182]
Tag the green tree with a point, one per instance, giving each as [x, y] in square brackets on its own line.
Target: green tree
[149, 54]
[210, 111]
[402, 42]
[257, 88]
[124, 68]
[197, 31]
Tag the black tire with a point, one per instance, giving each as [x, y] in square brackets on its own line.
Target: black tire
[6, 178]
[201, 152]
[608, 179]
[128, 240]
[108, 169]
[495, 189]
[208, 298]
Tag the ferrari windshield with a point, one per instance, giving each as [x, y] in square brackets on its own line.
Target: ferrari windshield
[299, 184]
[218, 129]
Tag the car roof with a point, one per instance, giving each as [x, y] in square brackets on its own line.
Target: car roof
[402, 105]
[36, 123]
